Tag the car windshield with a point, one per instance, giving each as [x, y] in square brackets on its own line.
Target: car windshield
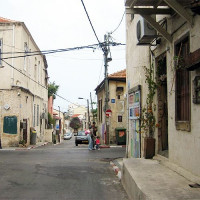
[67, 133]
[81, 133]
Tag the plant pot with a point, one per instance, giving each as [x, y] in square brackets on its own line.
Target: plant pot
[149, 147]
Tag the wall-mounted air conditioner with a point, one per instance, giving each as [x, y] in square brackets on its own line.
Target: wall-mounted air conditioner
[145, 33]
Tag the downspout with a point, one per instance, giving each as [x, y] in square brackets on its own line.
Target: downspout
[127, 121]
[12, 60]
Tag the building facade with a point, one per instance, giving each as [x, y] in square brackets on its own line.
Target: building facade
[117, 106]
[164, 36]
[23, 87]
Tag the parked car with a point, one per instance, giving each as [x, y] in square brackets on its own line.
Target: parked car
[67, 136]
[81, 138]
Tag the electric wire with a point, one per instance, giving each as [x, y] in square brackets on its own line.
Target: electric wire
[90, 22]
[39, 83]
[34, 53]
[119, 23]
[24, 74]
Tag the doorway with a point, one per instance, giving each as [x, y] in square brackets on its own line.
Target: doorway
[25, 130]
[161, 77]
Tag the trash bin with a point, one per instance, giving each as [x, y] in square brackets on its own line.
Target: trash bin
[120, 135]
[33, 136]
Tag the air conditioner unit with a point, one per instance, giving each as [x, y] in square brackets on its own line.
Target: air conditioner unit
[145, 33]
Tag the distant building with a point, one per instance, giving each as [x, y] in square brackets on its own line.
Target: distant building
[117, 105]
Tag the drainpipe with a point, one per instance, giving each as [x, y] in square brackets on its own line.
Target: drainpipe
[12, 61]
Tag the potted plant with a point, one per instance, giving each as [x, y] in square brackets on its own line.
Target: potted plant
[148, 120]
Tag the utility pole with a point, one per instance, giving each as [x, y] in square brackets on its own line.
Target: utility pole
[92, 107]
[106, 51]
[88, 109]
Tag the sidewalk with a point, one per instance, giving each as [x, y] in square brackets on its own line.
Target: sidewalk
[149, 180]
[24, 148]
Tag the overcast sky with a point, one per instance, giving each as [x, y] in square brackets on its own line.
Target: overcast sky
[64, 24]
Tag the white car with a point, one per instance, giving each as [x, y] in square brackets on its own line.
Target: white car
[67, 136]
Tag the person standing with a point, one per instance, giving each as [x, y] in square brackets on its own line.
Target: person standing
[90, 142]
[98, 143]
[94, 131]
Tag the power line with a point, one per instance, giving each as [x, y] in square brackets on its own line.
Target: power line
[39, 83]
[24, 74]
[34, 53]
[90, 22]
[119, 23]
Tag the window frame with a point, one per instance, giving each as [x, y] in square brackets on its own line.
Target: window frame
[182, 88]
[1, 50]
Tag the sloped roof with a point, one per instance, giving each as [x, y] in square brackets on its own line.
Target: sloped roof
[119, 74]
[4, 20]
[75, 115]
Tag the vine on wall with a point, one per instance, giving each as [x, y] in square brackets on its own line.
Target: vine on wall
[148, 120]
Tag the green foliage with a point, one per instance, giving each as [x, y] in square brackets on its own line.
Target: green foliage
[148, 121]
[51, 120]
[52, 89]
[94, 112]
[75, 123]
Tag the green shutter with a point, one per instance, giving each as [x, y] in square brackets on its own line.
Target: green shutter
[10, 125]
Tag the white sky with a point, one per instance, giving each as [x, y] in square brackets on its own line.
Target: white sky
[64, 24]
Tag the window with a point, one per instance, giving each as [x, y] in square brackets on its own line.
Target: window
[34, 111]
[0, 51]
[182, 86]
[119, 91]
[25, 55]
[100, 110]
[35, 69]
[38, 71]
[38, 117]
[119, 118]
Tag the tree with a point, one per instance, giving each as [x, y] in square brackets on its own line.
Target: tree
[75, 123]
[52, 89]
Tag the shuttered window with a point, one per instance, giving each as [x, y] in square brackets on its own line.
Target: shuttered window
[182, 83]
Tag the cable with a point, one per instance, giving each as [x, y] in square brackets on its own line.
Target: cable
[119, 23]
[24, 74]
[39, 83]
[34, 53]
[90, 22]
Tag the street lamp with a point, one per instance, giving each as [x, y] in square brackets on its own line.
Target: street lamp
[87, 110]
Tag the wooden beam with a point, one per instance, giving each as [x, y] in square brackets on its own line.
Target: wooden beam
[157, 27]
[149, 11]
[158, 3]
[129, 3]
[180, 10]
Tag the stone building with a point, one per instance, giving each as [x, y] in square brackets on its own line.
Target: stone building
[23, 86]
[117, 105]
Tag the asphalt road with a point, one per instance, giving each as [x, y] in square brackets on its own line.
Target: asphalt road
[61, 171]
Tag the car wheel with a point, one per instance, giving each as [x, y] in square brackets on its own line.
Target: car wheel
[76, 144]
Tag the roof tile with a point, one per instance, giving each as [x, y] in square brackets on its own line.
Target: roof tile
[119, 74]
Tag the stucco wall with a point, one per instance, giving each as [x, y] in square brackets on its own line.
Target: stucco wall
[184, 147]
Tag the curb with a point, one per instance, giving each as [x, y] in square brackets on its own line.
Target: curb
[110, 146]
[33, 147]
[116, 170]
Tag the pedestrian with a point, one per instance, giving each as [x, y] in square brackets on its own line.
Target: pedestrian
[90, 142]
[98, 143]
[94, 131]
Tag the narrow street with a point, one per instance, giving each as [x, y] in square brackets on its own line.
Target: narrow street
[61, 171]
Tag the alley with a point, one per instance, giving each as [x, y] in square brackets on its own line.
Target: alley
[61, 171]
